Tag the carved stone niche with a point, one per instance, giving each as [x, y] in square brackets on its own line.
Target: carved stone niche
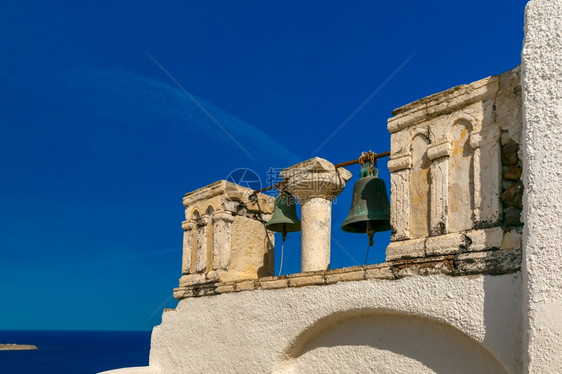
[445, 165]
[224, 235]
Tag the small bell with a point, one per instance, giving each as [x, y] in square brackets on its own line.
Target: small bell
[370, 209]
[284, 218]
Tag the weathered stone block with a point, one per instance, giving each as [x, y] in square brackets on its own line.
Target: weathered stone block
[509, 153]
[512, 172]
[488, 262]
[212, 276]
[345, 276]
[273, 284]
[441, 265]
[246, 285]
[511, 240]
[251, 250]
[195, 291]
[512, 217]
[508, 105]
[444, 244]
[405, 249]
[179, 293]
[480, 240]
[225, 288]
[191, 279]
[384, 272]
[506, 184]
[307, 280]
[513, 196]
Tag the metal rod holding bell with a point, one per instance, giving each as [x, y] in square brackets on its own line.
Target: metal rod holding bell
[375, 156]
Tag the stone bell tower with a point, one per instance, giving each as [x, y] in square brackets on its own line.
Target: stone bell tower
[224, 238]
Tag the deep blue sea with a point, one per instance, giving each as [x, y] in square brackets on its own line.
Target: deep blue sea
[74, 352]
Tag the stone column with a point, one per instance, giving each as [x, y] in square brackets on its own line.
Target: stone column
[487, 176]
[541, 78]
[315, 183]
[202, 230]
[400, 196]
[439, 155]
[187, 227]
[222, 221]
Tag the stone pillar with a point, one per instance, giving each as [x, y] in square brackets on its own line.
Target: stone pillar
[202, 230]
[222, 222]
[188, 229]
[315, 183]
[541, 81]
[439, 155]
[487, 176]
[400, 192]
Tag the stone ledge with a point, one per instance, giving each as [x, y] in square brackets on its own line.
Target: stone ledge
[273, 284]
[423, 266]
[441, 103]
[345, 276]
[246, 285]
[307, 280]
[494, 261]
[405, 249]
[460, 242]
[445, 244]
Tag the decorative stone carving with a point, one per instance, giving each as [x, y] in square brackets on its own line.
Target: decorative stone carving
[202, 240]
[419, 187]
[461, 181]
[445, 166]
[400, 204]
[229, 241]
[487, 180]
[188, 228]
[222, 222]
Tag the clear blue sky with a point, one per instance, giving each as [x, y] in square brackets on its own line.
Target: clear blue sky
[98, 145]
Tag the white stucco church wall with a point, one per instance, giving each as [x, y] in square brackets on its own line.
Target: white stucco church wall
[542, 240]
[471, 283]
[416, 324]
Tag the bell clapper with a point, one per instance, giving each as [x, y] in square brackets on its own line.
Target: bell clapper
[370, 232]
[284, 235]
[371, 235]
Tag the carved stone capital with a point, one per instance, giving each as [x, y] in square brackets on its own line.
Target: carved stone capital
[439, 150]
[202, 221]
[475, 140]
[400, 163]
[315, 178]
[222, 215]
[188, 225]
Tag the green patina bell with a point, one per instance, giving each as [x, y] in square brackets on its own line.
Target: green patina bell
[284, 218]
[370, 209]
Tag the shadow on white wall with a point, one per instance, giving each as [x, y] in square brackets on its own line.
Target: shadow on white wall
[371, 341]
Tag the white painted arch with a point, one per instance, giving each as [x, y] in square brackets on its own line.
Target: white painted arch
[384, 341]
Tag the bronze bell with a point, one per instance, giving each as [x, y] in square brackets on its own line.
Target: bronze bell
[370, 209]
[284, 218]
